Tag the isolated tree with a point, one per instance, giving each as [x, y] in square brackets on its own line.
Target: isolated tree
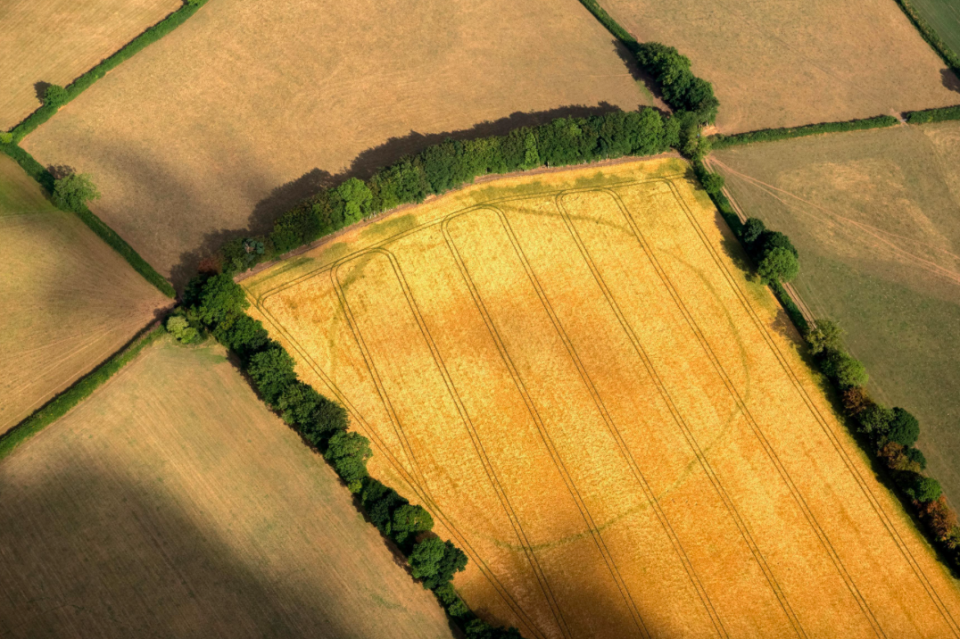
[410, 520]
[778, 265]
[73, 191]
[55, 96]
[904, 427]
[824, 336]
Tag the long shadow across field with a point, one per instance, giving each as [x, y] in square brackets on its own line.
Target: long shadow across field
[286, 196]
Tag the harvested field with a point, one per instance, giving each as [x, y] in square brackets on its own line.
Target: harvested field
[69, 301]
[54, 41]
[797, 62]
[173, 504]
[944, 17]
[876, 218]
[572, 374]
[249, 107]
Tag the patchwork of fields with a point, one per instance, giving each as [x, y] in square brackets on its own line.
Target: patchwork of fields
[69, 300]
[797, 62]
[172, 503]
[572, 374]
[249, 107]
[876, 218]
[54, 41]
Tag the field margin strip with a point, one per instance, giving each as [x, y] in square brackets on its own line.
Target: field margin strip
[84, 81]
[930, 34]
[64, 401]
[46, 180]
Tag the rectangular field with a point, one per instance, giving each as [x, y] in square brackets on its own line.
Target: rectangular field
[69, 301]
[571, 373]
[172, 503]
[876, 218]
[794, 62]
[55, 41]
[249, 107]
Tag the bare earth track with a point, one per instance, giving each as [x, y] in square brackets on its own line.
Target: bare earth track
[571, 373]
[172, 503]
[248, 107]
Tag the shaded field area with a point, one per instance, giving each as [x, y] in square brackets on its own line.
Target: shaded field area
[944, 17]
[876, 218]
[798, 61]
[247, 108]
[69, 301]
[173, 504]
[53, 42]
[572, 373]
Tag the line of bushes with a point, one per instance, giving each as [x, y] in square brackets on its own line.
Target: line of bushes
[680, 88]
[450, 164]
[58, 96]
[886, 433]
[107, 234]
[942, 114]
[214, 305]
[931, 36]
[80, 390]
[720, 141]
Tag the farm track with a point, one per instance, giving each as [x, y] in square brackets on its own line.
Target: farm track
[416, 476]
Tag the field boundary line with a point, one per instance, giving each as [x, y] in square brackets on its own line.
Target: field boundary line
[678, 419]
[421, 491]
[751, 422]
[538, 420]
[464, 416]
[614, 430]
[828, 431]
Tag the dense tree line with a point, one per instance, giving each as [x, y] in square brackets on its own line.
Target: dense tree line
[215, 305]
[453, 163]
[720, 141]
[934, 115]
[681, 89]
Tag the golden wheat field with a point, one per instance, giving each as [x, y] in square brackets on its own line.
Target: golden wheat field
[572, 373]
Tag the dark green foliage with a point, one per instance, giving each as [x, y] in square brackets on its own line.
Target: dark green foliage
[55, 96]
[778, 265]
[436, 562]
[904, 427]
[875, 421]
[770, 240]
[713, 183]
[448, 597]
[220, 299]
[349, 452]
[243, 335]
[843, 369]
[82, 83]
[356, 198]
[934, 115]
[380, 501]
[272, 372]
[73, 191]
[80, 390]
[753, 228]
[919, 488]
[314, 416]
[824, 336]
[479, 629]
[721, 141]
[409, 521]
[681, 89]
[916, 456]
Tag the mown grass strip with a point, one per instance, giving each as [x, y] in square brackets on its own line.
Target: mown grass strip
[80, 390]
[98, 226]
[934, 115]
[931, 36]
[84, 82]
[721, 141]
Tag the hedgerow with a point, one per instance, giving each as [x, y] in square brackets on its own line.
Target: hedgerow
[933, 115]
[930, 35]
[720, 141]
[82, 83]
[888, 434]
[215, 304]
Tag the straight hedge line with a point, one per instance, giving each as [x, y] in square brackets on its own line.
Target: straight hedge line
[721, 141]
[80, 390]
[942, 114]
[98, 226]
[931, 36]
[82, 83]
[885, 434]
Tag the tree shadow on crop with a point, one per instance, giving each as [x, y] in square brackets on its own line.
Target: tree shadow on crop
[629, 60]
[285, 196]
[950, 80]
[41, 89]
[95, 553]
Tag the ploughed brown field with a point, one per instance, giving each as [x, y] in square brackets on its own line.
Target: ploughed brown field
[69, 301]
[572, 372]
[248, 107]
[876, 218]
[55, 41]
[172, 503]
[793, 62]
